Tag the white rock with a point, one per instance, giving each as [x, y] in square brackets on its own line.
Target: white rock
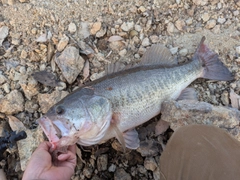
[205, 17]
[178, 1]
[127, 26]
[137, 27]
[183, 52]
[123, 52]
[174, 50]
[95, 76]
[2, 79]
[72, 28]
[238, 49]
[145, 42]
[6, 88]
[3, 33]
[211, 24]
[221, 20]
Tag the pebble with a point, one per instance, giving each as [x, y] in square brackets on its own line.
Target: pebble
[154, 39]
[62, 43]
[174, 50]
[123, 52]
[180, 24]
[24, 54]
[48, 100]
[102, 162]
[205, 17]
[12, 103]
[72, 27]
[150, 163]
[95, 76]
[112, 168]
[183, 52]
[3, 33]
[127, 26]
[238, 49]
[70, 63]
[211, 24]
[171, 28]
[145, 42]
[142, 9]
[95, 27]
[31, 106]
[2, 79]
[29, 90]
[121, 174]
[221, 20]
[6, 87]
[137, 27]
[224, 98]
[87, 172]
[149, 148]
[189, 21]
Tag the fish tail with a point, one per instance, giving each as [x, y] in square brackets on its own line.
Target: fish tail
[213, 68]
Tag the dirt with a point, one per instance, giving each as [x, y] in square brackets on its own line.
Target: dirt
[177, 24]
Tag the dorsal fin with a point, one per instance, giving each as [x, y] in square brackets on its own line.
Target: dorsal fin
[158, 54]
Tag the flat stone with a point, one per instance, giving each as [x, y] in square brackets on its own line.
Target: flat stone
[72, 27]
[183, 52]
[205, 17]
[181, 113]
[211, 24]
[3, 33]
[12, 103]
[46, 101]
[102, 162]
[62, 43]
[127, 26]
[121, 174]
[70, 63]
[221, 20]
[26, 146]
[95, 27]
[145, 42]
[180, 24]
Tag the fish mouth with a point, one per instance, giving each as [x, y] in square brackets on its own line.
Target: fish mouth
[53, 134]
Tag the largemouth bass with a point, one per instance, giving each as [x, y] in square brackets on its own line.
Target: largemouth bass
[115, 104]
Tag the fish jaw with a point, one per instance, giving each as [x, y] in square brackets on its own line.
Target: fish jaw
[50, 131]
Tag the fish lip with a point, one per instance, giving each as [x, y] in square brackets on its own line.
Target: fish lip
[49, 130]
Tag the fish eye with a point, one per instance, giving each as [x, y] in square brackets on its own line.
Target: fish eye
[59, 110]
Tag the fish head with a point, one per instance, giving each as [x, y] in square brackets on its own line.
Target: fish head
[84, 119]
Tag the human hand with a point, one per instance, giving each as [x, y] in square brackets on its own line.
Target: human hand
[41, 166]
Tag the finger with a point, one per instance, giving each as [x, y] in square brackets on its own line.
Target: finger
[64, 157]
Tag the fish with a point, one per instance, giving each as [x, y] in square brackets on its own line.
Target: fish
[114, 105]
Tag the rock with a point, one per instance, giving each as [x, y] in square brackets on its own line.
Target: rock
[224, 98]
[102, 162]
[26, 146]
[142, 170]
[3, 34]
[12, 103]
[145, 42]
[205, 17]
[116, 45]
[150, 163]
[183, 52]
[30, 90]
[142, 9]
[112, 168]
[173, 50]
[6, 87]
[87, 171]
[24, 54]
[221, 20]
[123, 52]
[127, 26]
[238, 49]
[62, 43]
[101, 32]
[149, 148]
[70, 63]
[178, 1]
[31, 106]
[95, 76]
[156, 174]
[72, 28]
[138, 28]
[23, 1]
[186, 112]
[2, 79]
[171, 28]
[211, 24]
[180, 24]
[121, 174]
[200, 2]
[48, 100]
[95, 27]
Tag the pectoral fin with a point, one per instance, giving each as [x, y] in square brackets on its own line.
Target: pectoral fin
[131, 139]
[119, 136]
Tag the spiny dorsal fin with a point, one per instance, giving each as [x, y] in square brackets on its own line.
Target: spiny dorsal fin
[158, 54]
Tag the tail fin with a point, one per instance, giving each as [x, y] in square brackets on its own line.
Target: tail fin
[213, 68]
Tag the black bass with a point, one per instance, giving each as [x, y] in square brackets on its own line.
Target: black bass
[115, 104]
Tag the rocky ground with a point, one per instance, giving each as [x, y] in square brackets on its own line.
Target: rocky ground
[48, 36]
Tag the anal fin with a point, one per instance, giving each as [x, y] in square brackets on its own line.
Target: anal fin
[131, 139]
[188, 94]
